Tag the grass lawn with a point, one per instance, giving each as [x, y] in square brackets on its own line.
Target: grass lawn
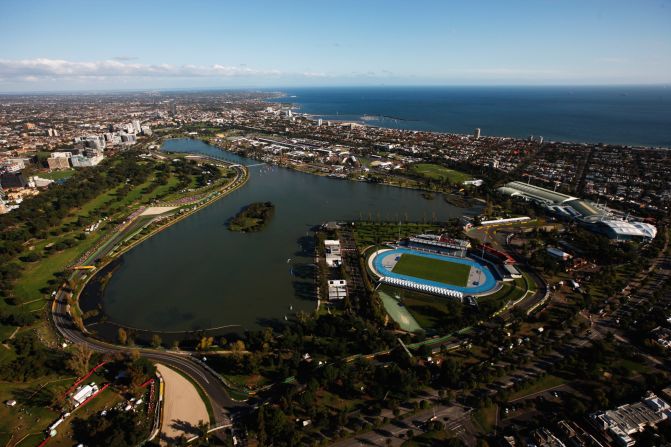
[485, 418]
[428, 311]
[6, 355]
[398, 313]
[437, 172]
[632, 367]
[36, 275]
[94, 204]
[334, 401]
[250, 381]
[163, 190]
[5, 332]
[433, 269]
[32, 399]
[32, 440]
[57, 175]
[510, 291]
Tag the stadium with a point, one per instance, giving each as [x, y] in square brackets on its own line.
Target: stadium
[436, 266]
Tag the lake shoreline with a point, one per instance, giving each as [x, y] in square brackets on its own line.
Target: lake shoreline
[221, 281]
[109, 267]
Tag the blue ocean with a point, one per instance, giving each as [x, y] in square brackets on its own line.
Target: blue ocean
[635, 116]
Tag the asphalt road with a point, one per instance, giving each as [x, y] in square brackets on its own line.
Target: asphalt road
[222, 404]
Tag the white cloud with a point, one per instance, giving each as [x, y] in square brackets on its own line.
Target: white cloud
[44, 69]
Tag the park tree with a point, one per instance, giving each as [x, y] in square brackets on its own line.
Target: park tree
[203, 429]
[238, 346]
[122, 336]
[80, 359]
[205, 343]
[156, 341]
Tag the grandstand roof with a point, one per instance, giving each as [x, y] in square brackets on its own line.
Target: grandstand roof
[585, 208]
[535, 193]
[625, 229]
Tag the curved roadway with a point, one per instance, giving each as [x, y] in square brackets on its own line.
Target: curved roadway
[222, 404]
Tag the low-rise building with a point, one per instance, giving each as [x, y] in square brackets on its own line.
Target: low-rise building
[39, 182]
[59, 160]
[557, 253]
[87, 159]
[13, 180]
[629, 419]
[332, 252]
[83, 393]
[337, 289]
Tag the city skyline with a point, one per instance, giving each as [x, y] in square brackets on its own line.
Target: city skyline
[126, 46]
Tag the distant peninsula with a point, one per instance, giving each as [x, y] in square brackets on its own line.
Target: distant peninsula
[252, 218]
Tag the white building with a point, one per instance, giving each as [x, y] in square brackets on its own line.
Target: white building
[332, 250]
[87, 159]
[337, 289]
[128, 138]
[629, 419]
[557, 253]
[39, 182]
[83, 393]
[473, 182]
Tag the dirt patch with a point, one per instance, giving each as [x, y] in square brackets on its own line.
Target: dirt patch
[182, 407]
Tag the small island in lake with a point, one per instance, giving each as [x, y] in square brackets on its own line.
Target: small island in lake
[252, 218]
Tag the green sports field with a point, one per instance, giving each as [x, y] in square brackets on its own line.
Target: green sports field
[433, 269]
[438, 172]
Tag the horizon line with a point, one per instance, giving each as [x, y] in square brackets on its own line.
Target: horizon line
[278, 88]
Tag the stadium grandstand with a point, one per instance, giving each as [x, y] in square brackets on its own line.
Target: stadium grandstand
[535, 193]
[494, 255]
[435, 273]
[442, 244]
[595, 218]
[622, 230]
[561, 204]
[412, 285]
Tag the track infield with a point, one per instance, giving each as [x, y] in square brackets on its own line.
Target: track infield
[464, 275]
[433, 269]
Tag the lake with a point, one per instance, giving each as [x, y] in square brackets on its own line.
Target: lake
[197, 274]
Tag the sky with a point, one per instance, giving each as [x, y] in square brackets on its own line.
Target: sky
[143, 44]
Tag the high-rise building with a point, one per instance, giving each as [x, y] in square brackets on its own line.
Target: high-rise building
[319, 122]
[173, 108]
[476, 133]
